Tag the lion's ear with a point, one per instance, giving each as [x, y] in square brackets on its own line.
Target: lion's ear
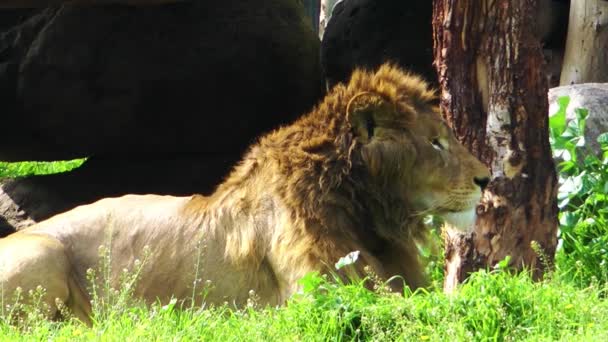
[363, 111]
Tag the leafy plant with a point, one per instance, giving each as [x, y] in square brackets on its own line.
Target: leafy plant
[582, 198]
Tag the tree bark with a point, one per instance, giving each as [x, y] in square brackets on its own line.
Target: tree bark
[327, 7]
[586, 56]
[494, 96]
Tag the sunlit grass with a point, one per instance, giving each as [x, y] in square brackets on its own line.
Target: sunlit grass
[23, 169]
[489, 306]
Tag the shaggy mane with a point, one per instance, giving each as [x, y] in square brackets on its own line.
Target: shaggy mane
[319, 177]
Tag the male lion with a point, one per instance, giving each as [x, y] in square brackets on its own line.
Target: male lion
[358, 173]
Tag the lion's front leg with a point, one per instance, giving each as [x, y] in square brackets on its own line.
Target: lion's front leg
[38, 264]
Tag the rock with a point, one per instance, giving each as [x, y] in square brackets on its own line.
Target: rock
[192, 78]
[165, 99]
[367, 33]
[5, 228]
[10, 18]
[591, 96]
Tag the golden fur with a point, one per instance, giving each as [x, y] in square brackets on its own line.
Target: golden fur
[356, 174]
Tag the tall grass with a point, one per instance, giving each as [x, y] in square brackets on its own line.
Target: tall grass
[494, 306]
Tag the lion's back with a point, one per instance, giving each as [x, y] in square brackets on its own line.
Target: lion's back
[127, 224]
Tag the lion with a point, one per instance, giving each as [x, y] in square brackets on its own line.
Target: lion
[357, 173]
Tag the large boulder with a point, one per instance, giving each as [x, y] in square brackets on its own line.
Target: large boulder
[10, 18]
[591, 96]
[191, 78]
[367, 33]
[163, 99]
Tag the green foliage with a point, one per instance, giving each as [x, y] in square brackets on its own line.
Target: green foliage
[490, 306]
[23, 169]
[582, 198]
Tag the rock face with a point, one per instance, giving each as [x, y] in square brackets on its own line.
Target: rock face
[10, 18]
[591, 96]
[162, 99]
[186, 78]
[367, 33]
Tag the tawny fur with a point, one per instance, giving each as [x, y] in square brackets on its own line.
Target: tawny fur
[358, 173]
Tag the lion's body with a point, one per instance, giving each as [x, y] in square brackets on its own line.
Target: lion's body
[127, 224]
[357, 173]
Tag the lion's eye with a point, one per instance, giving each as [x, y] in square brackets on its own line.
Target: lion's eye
[437, 144]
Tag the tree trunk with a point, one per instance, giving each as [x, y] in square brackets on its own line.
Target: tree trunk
[586, 56]
[327, 7]
[494, 96]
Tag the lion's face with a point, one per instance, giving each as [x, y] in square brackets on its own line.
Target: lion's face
[447, 178]
[412, 153]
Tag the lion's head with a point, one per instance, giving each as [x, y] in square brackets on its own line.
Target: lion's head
[380, 140]
[406, 146]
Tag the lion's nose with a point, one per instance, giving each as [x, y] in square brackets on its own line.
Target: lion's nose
[482, 182]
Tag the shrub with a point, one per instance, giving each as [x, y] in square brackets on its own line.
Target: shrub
[582, 198]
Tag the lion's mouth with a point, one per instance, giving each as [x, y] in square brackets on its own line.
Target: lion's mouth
[461, 220]
[457, 209]
[452, 204]
[453, 211]
[460, 213]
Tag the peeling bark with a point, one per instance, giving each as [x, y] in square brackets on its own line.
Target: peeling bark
[327, 7]
[586, 56]
[493, 95]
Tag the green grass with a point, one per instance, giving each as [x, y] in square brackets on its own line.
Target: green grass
[23, 169]
[489, 306]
